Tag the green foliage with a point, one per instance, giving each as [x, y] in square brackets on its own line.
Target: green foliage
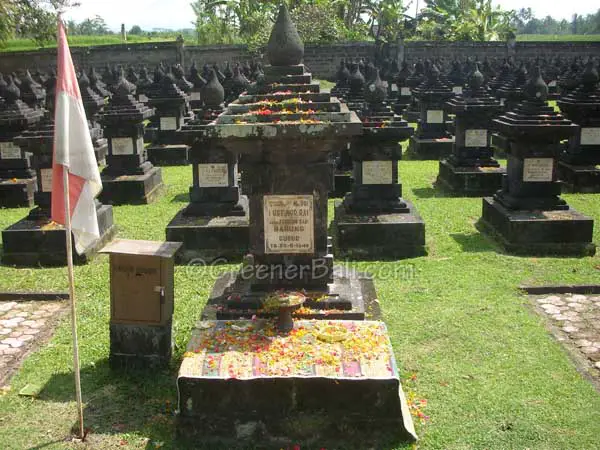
[92, 26]
[526, 23]
[136, 30]
[465, 20]
[34, 19]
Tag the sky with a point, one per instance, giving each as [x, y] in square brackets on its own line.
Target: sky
[177, 14]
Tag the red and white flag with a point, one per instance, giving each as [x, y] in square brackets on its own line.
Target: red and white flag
[73, 150]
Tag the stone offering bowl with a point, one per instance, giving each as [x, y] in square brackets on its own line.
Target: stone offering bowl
[286, 304]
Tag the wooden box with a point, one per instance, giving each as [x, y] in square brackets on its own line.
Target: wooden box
[141, 281]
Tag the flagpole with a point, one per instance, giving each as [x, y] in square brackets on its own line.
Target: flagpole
[76, 368]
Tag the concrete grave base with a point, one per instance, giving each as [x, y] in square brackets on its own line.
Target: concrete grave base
[426, 149]
[469, 181]
[30, 243]
[585, 179]
[132, 189]
[17, 193]
[135, 346]
[342, 184]
[228, 393]
[209, 239]
[565, 232]
[351, 296]
[168, 155]
[378, 236]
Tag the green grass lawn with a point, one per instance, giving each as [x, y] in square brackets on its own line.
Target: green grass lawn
[465, 339]
[558, 37]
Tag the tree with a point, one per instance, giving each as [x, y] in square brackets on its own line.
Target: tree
[468, 20]
[93, 26]
[35, 19]
[136, 30]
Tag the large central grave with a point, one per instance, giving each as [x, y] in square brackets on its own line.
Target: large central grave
[284, 131]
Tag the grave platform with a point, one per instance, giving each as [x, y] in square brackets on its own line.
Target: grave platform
[132, 189]
[500, 144]
[585, 179]
[566, 232]
[351, 296]
[210, 239]
[17, 193]
[168, 155]
[411, 116]
[342, 184]
[379, 236]
[242, 381]
[469, 181]
[33, 243]
[429, 149]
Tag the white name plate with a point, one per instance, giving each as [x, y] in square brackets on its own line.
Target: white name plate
[46, 179]
[590, 136]
[405, 91]
[142, 98]
[458, 90]
[377, 172]
[168, 123]
[195, 96]
[213, 175]
[122, 146]
[435, 116]
[476, 138]
[538, 169]
[8, 150]
[393, 87]
[289, 224]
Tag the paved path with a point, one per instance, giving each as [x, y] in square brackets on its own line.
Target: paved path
[576, 317]
[24, 325]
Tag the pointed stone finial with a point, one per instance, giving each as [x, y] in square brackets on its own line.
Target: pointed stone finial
[212, 93]
[536, 89]
[476, 79]
[124, 88]
[84, 81]
[375, 90]
[12, 93]
[589, 78]
[285, 48]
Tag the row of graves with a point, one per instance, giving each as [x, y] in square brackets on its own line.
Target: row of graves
[289, 335]
[471, 110]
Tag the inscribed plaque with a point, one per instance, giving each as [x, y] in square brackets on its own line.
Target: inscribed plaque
[46, 179]
[377, 172]
[458, 90]
[195, 96]
[213, 175]
[537, 169]
[122, 146]
[8, 150]
[168, 123]
[476, 138]
[405, 91]
[435, 116]
[590, 136]
[289, 224]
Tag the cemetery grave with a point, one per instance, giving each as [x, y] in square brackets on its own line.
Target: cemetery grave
[416, 334]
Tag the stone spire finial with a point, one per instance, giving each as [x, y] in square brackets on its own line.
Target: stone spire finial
[213, 93]
[536, 89]
[285, 48]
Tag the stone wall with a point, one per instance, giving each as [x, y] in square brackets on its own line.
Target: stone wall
[322, 59]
